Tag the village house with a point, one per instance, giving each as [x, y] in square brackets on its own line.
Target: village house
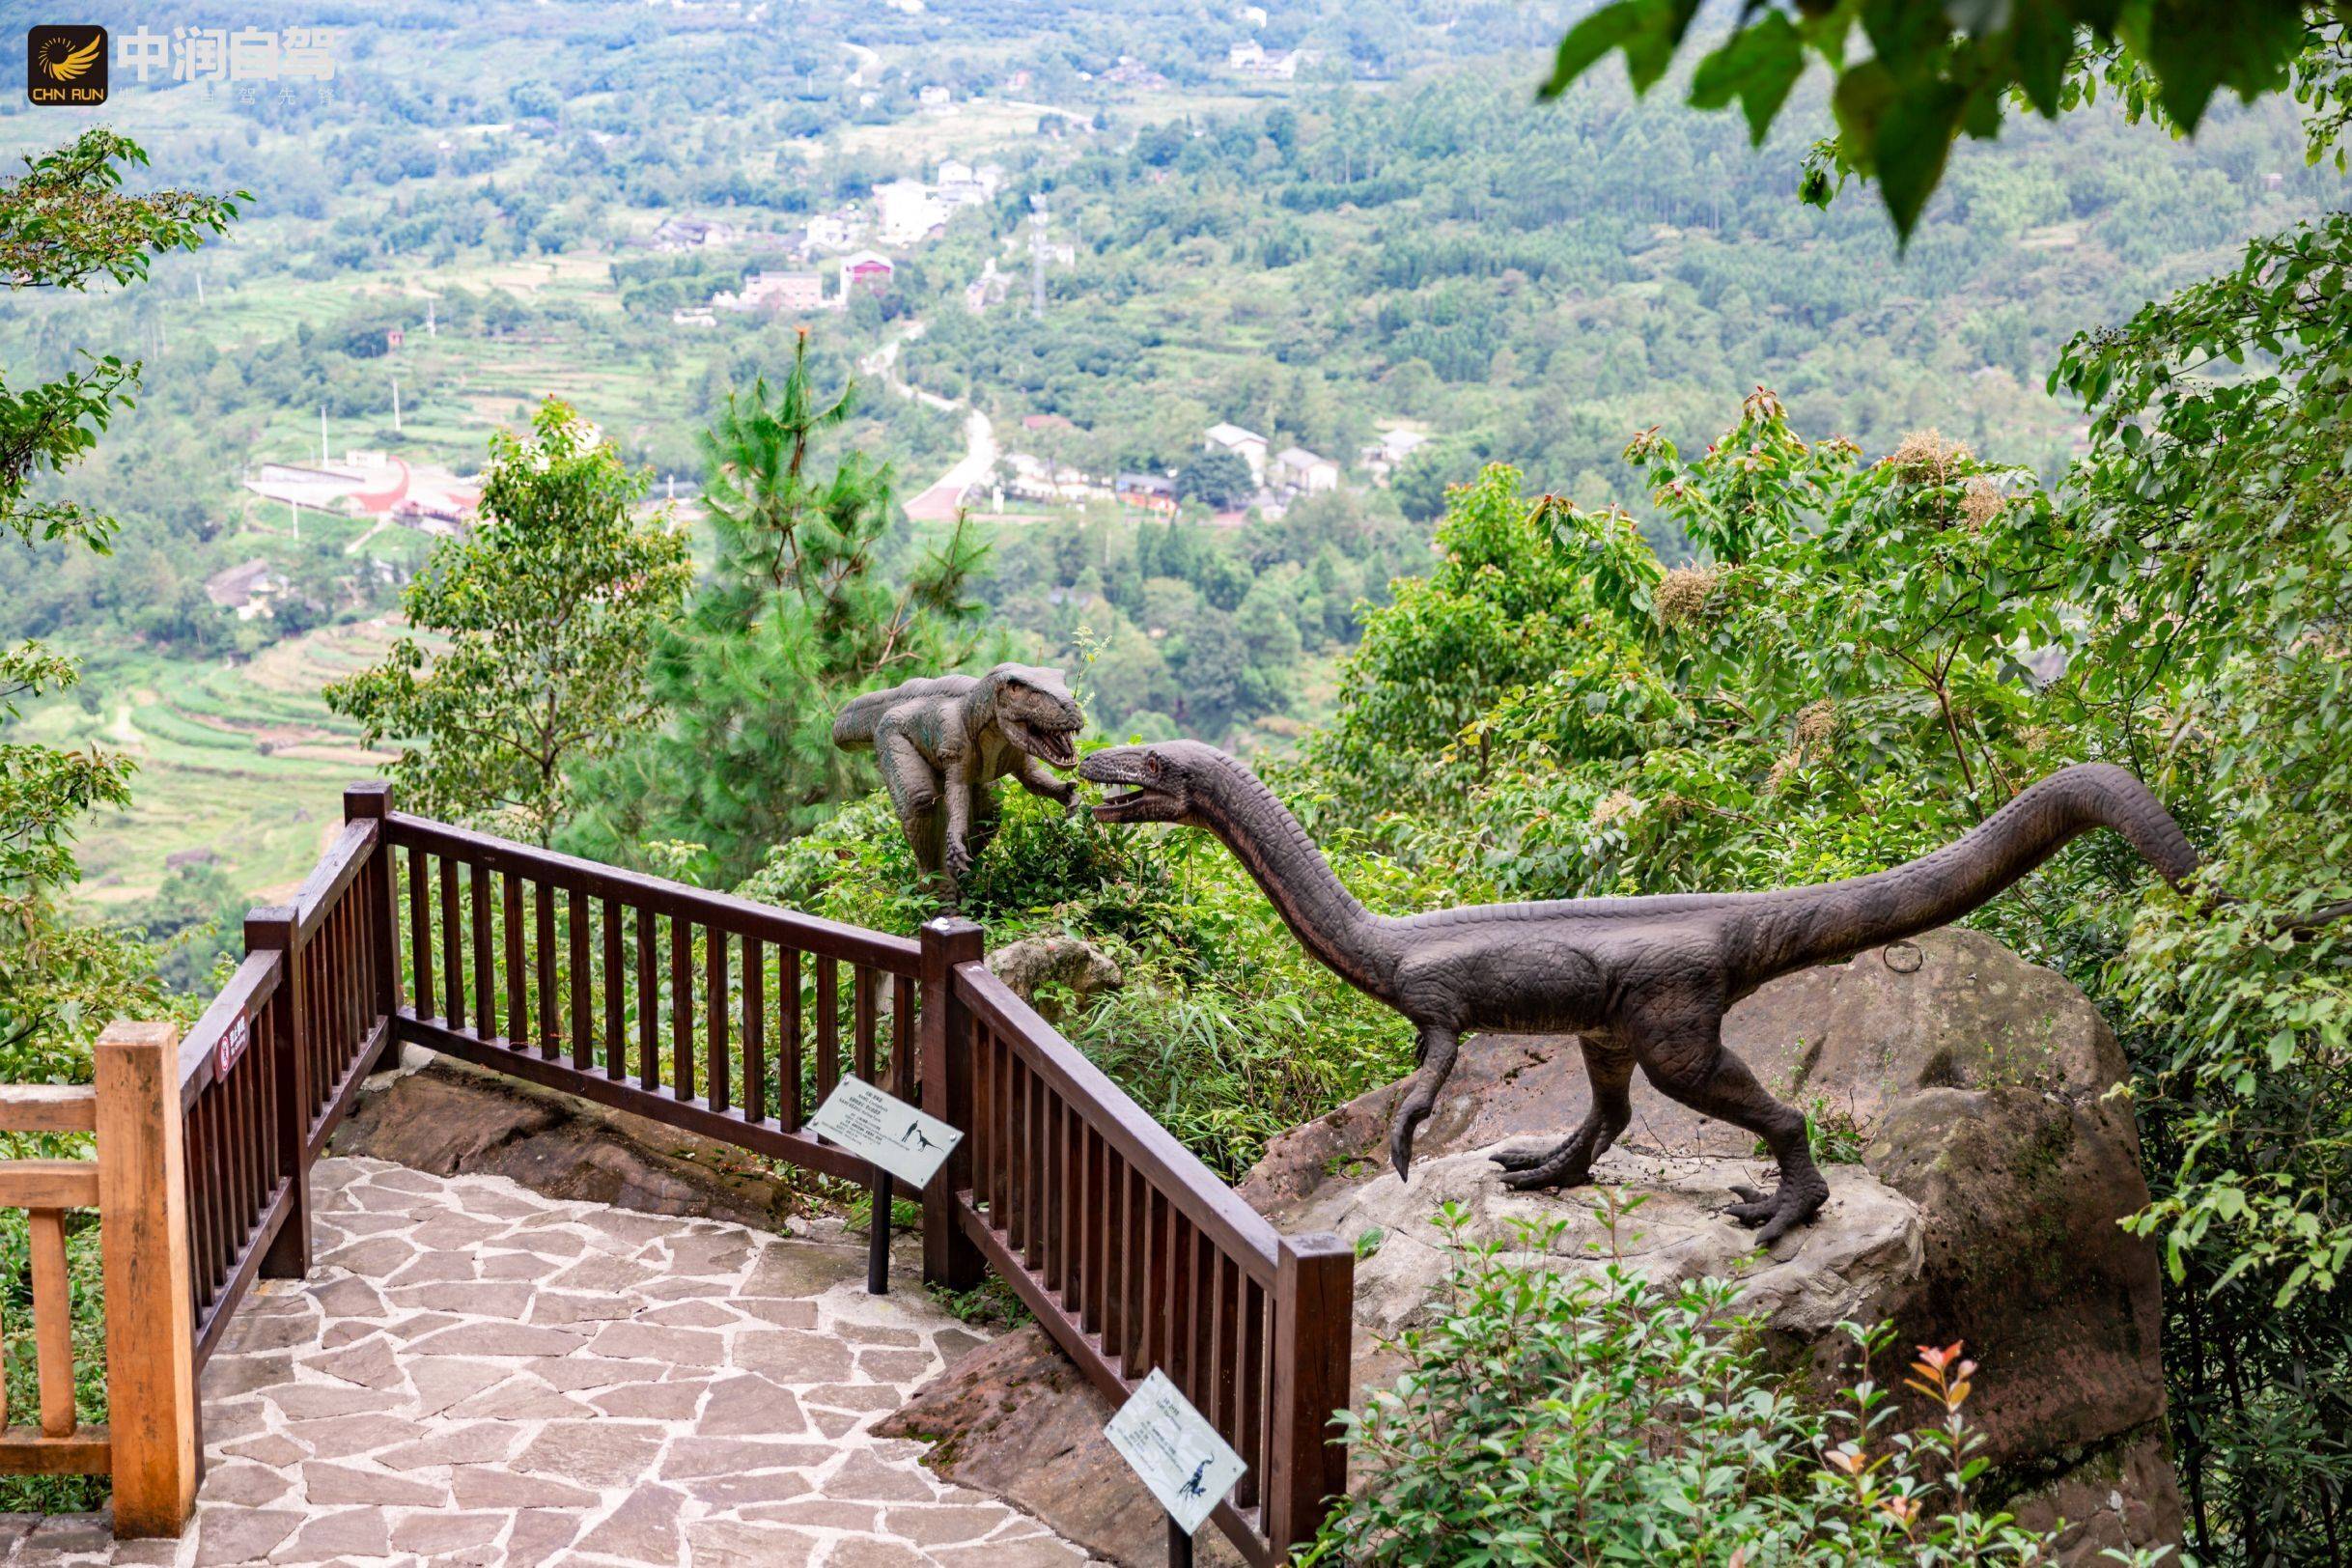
[1247, 444]
[868, 271]
[906, 210]
[1150, 491]
[248, 591]
[935, 96]
[1302, 470]
[1380, 458]
[691, 234]
[797, 294]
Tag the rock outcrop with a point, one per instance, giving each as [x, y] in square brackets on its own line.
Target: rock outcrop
[1984, 1168]
[1034, 968]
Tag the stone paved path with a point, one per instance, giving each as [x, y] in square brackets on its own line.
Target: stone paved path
[475, 1375]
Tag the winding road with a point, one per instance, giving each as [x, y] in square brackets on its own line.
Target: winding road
[939, 500]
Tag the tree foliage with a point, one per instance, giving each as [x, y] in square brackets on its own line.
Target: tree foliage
[1913, 76]
[64, 221]
[798, 612]
[539, 620]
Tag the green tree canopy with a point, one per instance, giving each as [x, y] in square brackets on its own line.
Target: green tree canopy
[797, 614]
[1913, 76]
[537, 627]
[64, 221]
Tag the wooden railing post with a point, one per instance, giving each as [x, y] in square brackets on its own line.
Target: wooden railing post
[273, 927]
[371, 800]
[142, 1234]
[950, 1260]
[1313, 1324]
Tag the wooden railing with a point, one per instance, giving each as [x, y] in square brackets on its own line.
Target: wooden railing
[149, 1447]
[276, 1062]
[699, 1010]
[1131, 1252]
[704, 1012]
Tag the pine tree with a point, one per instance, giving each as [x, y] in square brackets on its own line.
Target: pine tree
[797, 614]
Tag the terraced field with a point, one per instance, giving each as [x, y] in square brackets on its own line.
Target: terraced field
[239, 759]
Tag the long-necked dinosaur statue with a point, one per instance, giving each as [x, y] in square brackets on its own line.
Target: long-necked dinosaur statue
[1642, 981]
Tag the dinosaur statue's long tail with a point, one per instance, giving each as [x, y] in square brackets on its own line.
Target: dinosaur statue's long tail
[856, 723]
[1782, 932]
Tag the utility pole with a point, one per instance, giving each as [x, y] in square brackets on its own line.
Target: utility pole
[429, 330]
[396, 406]
[323, 460]
[1037, 256]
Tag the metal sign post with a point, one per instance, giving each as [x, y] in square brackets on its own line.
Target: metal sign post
[898, 1140]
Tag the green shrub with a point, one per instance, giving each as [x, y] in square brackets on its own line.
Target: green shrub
[1225, 1031]
[1604, 1419]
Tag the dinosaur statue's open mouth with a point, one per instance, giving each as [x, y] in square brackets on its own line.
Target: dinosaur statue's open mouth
[1141, 801]
[1057, 747]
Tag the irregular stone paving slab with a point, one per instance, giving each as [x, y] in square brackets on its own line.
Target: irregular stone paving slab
[476, 1375]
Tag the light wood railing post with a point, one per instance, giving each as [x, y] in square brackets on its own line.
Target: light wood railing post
[142, 1234]
[1313, 1321]
[273, 927]
[372, 801]
[950, 1260]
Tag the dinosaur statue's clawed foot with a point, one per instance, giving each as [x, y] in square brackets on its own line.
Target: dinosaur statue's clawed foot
[1565, 1165]
[1780, 1211]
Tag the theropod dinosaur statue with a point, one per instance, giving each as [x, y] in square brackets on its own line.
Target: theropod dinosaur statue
[948, 740]
[1642, 981]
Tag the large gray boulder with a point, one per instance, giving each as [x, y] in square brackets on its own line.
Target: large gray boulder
[1989, 1167]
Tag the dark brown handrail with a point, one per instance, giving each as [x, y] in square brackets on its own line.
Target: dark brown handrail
[741, 916]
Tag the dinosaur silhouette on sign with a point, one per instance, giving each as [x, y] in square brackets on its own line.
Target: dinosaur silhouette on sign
[1642, 981]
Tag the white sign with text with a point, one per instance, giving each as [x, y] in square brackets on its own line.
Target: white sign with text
[886, 1130]
[1187, 1467]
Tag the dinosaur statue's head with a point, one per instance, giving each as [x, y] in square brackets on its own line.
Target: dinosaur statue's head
[1036, 712]
[1163, 780]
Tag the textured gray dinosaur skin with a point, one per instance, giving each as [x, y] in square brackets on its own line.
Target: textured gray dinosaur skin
[1641, 982]
[941, 744]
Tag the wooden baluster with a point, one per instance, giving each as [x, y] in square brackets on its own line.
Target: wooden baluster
[1037, 1200]
[1008, 1117]
[1159, 1271]
[681, 1007]
[1183, 1255]
[1226, 1340]
[714, 1009]
[453, 947]
[546, 995]
[52, 1321]
[518, 985]
[788, 1038]
[1134, 1359]
[904, 1079]
[1059, 1194]
[1019, 1211]
[1079, 1240]
[865, 1001]
[986, 1135]
[485, 1005]
[420, 937]
[1109, 1223]
[583, 1027]
[1249, 1381]
[1207, 1264]
[649, 1000]
[614, 918]
[828, 1026]
[755, 1029]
